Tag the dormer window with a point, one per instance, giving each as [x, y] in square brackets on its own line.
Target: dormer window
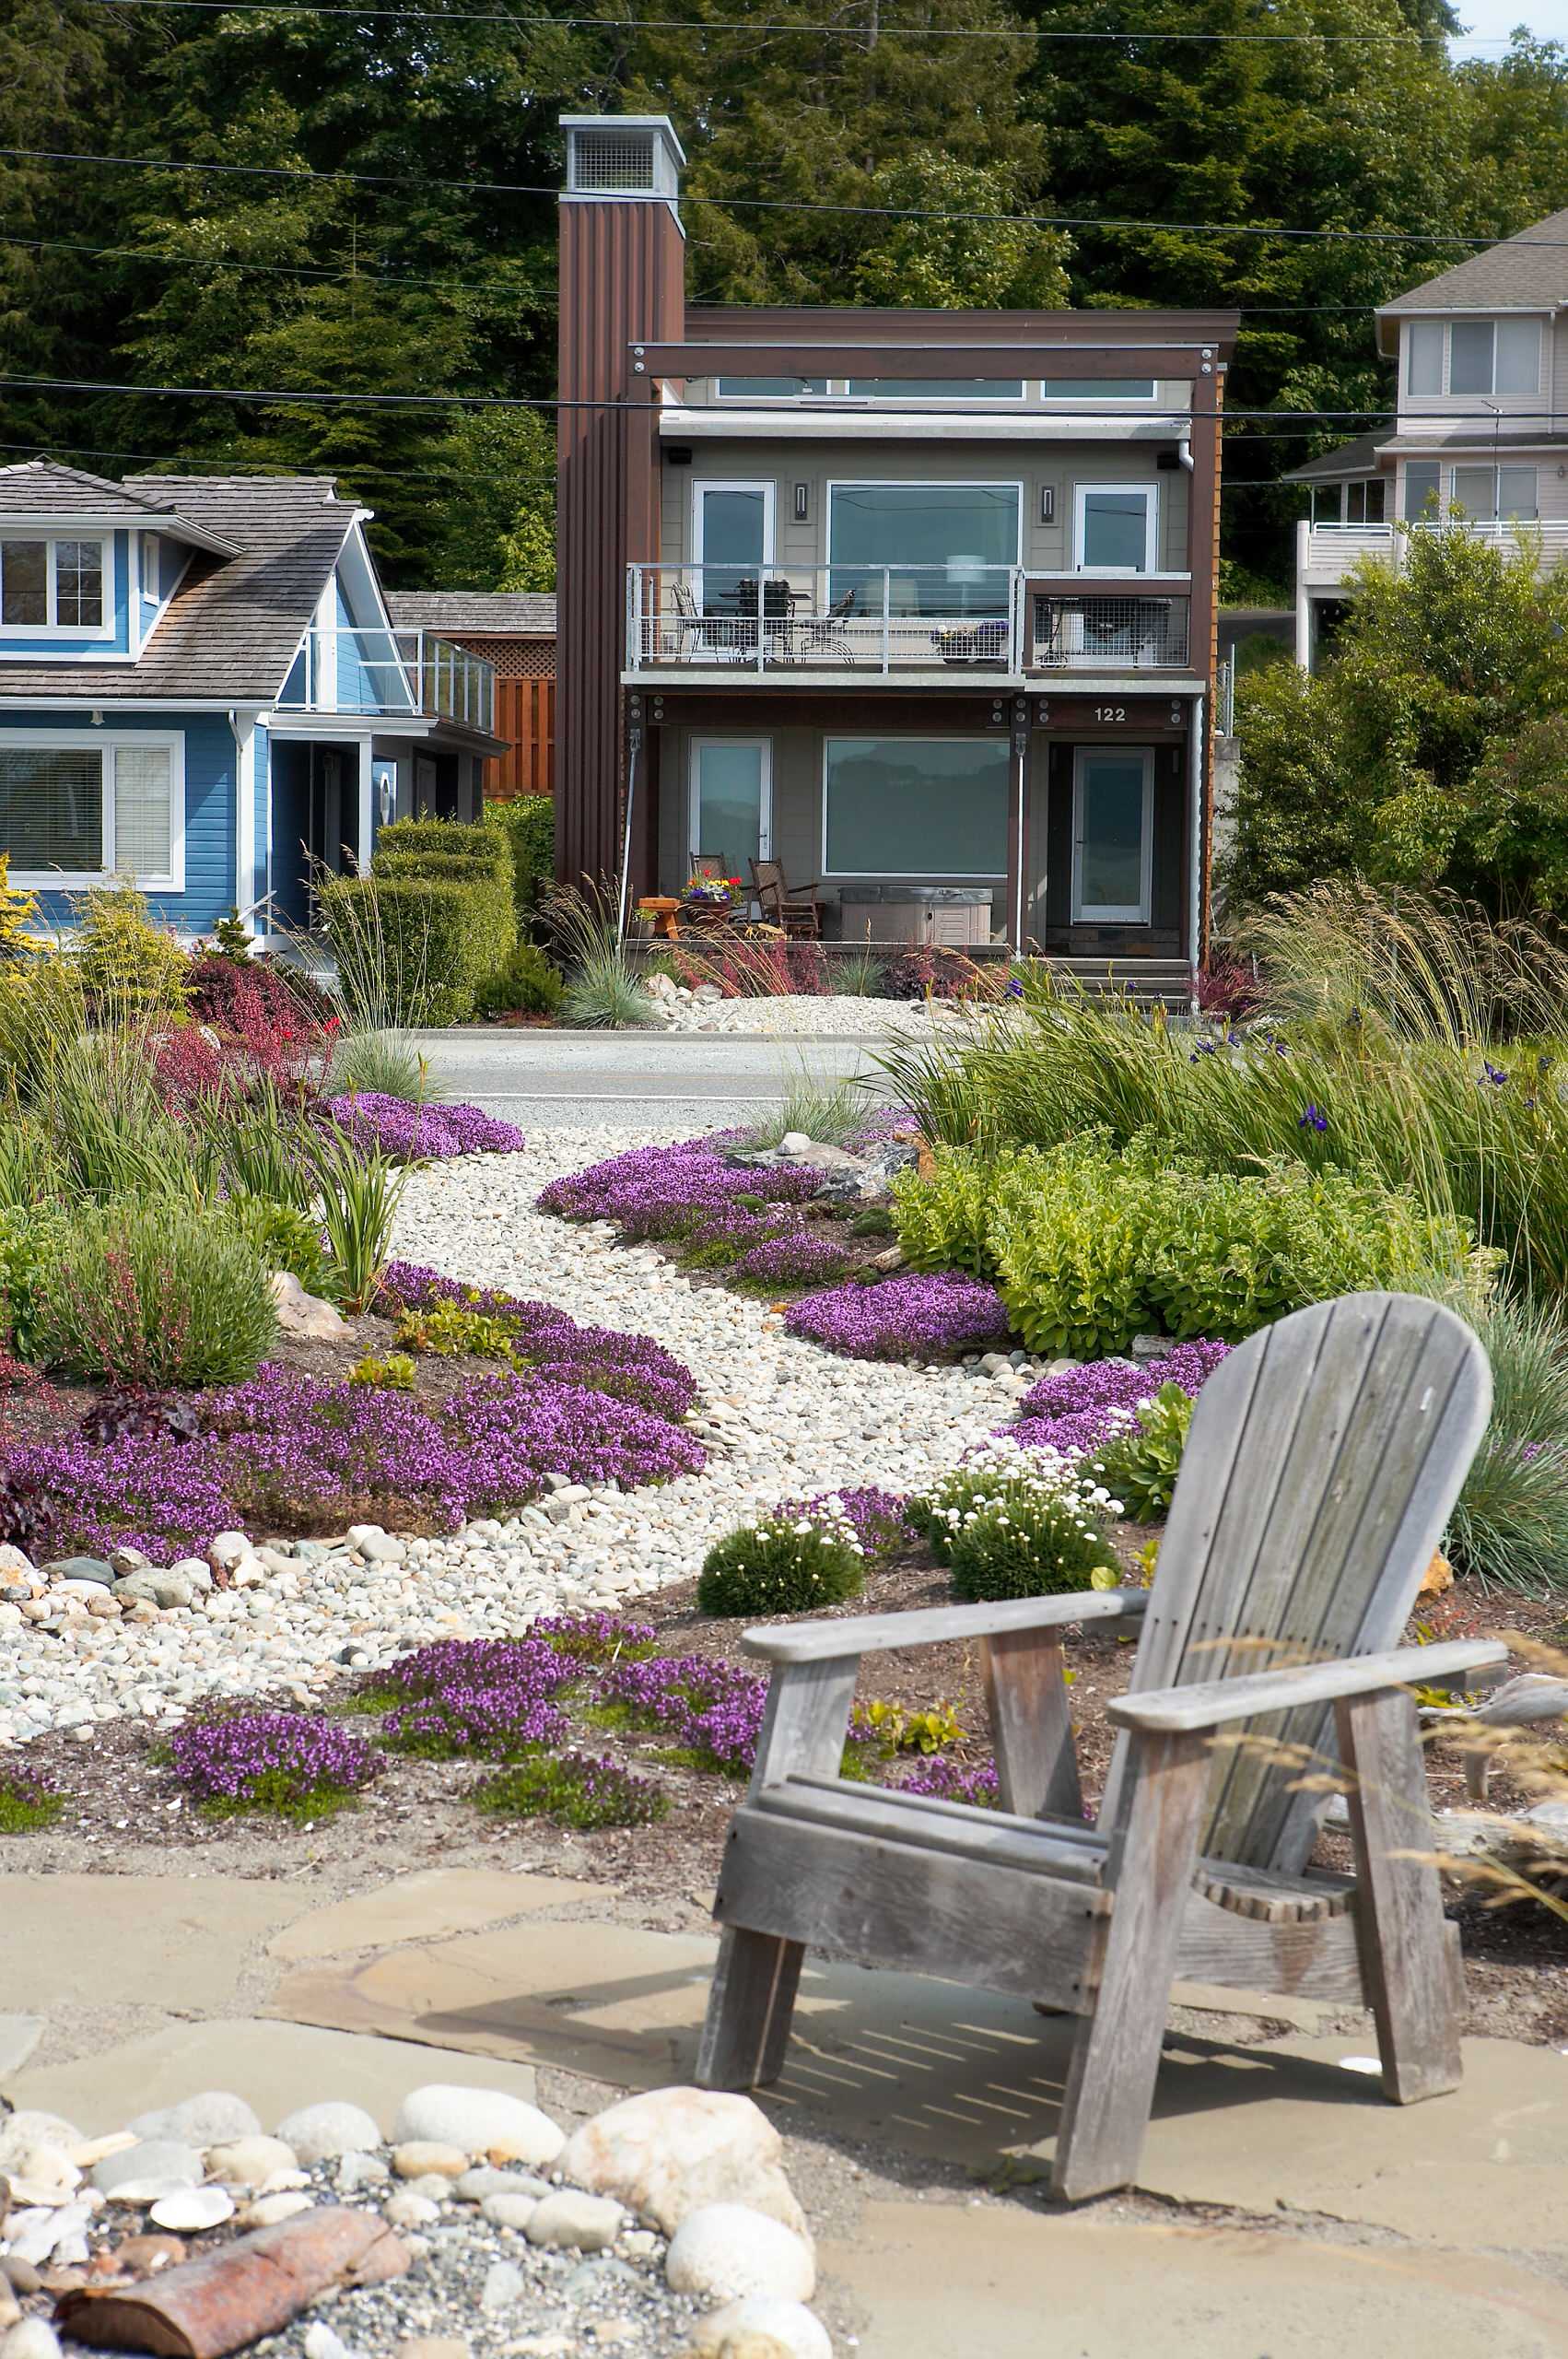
[49, 585]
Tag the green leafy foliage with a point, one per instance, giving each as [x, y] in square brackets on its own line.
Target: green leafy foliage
[528, 983]
[781, 1566]
[527, 822]
[286, 1239]
[379, 1063]
[29, 1241]
[1010, 1525]
[131, 968]
[894, 1728]
[1139, 1465]
[152, 1297]
[410, 950]
[27, 1804]
[395, 1373]
[1511, 1524]
[574, 1790]
[359, 1191]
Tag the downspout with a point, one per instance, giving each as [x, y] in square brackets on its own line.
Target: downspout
[1195, 865]
[634, 751]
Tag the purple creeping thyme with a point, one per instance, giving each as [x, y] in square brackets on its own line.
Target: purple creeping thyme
[945, 1779]
[878, 1519]
[498, 1722]
[706, 1707]
[283, 1760]
[582, 1789]
[593, 1637]
[798, 1261]
[420, 1134]
[457, 1665]
[1078, 1411]
[668, 1191]
[907, 1318]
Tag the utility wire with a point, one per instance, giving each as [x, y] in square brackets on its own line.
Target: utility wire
[794, 204]
[885, 30]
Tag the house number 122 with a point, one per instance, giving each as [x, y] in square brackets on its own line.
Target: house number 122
[1110, 712]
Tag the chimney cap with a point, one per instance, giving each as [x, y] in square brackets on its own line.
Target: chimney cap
[622, 156]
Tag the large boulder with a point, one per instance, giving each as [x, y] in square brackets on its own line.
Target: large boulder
[669, 2153]
[299, 1313]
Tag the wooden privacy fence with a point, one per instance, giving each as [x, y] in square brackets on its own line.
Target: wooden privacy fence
[525, 716]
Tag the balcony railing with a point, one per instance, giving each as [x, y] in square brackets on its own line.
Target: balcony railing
[963, 615]
[386, 673]
[1326, 554]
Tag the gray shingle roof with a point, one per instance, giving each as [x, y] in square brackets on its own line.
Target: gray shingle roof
[37, 486]
[1529, 272]
[231, 628]
[1357, 458]
[500, 614]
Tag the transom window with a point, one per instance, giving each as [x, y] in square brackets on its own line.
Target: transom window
[1480, 357]
[74, 810]
[52, 585]
[915, 806]
[945, 549]
[1097, 389]
[1086, 392]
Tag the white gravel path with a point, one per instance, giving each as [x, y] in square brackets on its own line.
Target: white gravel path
[840, 1016]
[780, 1418]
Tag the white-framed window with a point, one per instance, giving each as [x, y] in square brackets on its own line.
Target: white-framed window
[1114, 528]
[1422, 486]
[731, 802]
[78, 807]
[1113, 834]
[945, 548]
[1004, 392]
[1489, 493]
[934, 389]
[916, 806]
[770, 389]
[1479, 358]
[54, 586]
[732, 529]
[1088, 390]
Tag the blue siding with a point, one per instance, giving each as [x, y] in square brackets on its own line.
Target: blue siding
[210, 805]
[62, 644]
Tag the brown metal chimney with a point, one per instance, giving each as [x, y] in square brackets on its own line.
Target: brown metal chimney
[622, 281]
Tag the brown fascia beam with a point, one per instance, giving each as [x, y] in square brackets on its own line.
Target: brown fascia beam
[774, 323]
[795, 357]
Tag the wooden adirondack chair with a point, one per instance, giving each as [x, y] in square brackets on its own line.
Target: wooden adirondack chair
[1323, 1458]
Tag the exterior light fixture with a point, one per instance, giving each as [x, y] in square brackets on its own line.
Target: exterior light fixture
[1048, 503]
[802, 499]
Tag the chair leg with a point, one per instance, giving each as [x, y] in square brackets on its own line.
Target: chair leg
[1407, 1957]
[749, 2010]
[1116, 2056]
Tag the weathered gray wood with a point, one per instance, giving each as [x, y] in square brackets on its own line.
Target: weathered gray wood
[923, 1911]
[1116, 2055]
[752, 2002]
[1027, 1843]
[1323, 1460]
[1405, 1956]
[935, 1625]
[924, 1807]
[1036, 1769]
[1318, 1960]
[1213, 1706]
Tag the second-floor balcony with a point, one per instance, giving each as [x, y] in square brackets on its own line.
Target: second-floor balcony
[385, 673]
[963, 615]
[1326, 555]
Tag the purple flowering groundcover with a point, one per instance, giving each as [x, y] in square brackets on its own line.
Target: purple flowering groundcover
[1073, 1412]
[298, 1764]
[418, 1133]
[903, 1318]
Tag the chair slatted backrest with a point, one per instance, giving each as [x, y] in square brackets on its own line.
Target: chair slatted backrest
[1325, 1456]
[767, 878]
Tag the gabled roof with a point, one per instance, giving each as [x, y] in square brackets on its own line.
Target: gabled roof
[1525, 273]
[45, 487]
[496, 613]
[1357, 458]
[230, 631]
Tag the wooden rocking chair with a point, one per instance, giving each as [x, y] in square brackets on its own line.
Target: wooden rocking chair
[1323, 1458]
[795, 913]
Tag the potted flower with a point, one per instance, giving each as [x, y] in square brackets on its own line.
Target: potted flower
[710, 896]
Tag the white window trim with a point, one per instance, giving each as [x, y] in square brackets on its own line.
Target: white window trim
[765, 816]
[890, 868]
[51, 628]
[108, 741]
[1493, 467]
[1081, 912]
[1492, 320]
[1031, 393]
[1150, 495]
[920, 483]
[703, 485]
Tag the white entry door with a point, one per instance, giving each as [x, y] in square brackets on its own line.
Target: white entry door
[731, 802]
[1113, 834]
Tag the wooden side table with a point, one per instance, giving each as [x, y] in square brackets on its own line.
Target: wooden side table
[662, 911]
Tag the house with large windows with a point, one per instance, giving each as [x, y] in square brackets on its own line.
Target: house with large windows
[918, 604]
[1479, 430]
[202, 693]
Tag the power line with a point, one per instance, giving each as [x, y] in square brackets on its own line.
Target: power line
[793, 205]
[815, 32]
[344, 272]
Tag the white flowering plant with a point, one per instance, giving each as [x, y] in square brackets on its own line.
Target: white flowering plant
[785, 1564]
[1013, 1522]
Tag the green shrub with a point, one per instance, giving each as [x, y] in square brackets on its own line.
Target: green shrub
[42, 1008]
[410, 950]
[1013, 1526]
[29, 1237]
[1139, 1466]
[782, 1566]
[26, 1803]
[153, 1295]
[30, 1169]
[527, 984]
[108, 1125]
[944, 1219]
[527, 825]
[585, 1790]
[453, 1330]
[287, 1238]
[448, 851]
[360, 1189]
[131, 968]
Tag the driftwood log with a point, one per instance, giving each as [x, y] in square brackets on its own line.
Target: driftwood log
[239, 2291]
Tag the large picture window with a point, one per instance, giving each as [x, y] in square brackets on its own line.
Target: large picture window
[1473, 356]
[947, 548]
[73, 809]
[915, 806]
[52, 585]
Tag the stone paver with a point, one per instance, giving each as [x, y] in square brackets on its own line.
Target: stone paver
[952, 2282]
[171, 1941]
[275, 2066]
[425, 1906]
[19, 2035]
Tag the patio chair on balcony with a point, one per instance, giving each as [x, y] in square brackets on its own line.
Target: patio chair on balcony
[697, 634]
[829, 634]
[795, 913]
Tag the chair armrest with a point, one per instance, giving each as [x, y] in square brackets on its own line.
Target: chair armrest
[936, 1625]
[1178, 1710]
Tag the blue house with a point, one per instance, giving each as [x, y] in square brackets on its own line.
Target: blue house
[201, 692]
